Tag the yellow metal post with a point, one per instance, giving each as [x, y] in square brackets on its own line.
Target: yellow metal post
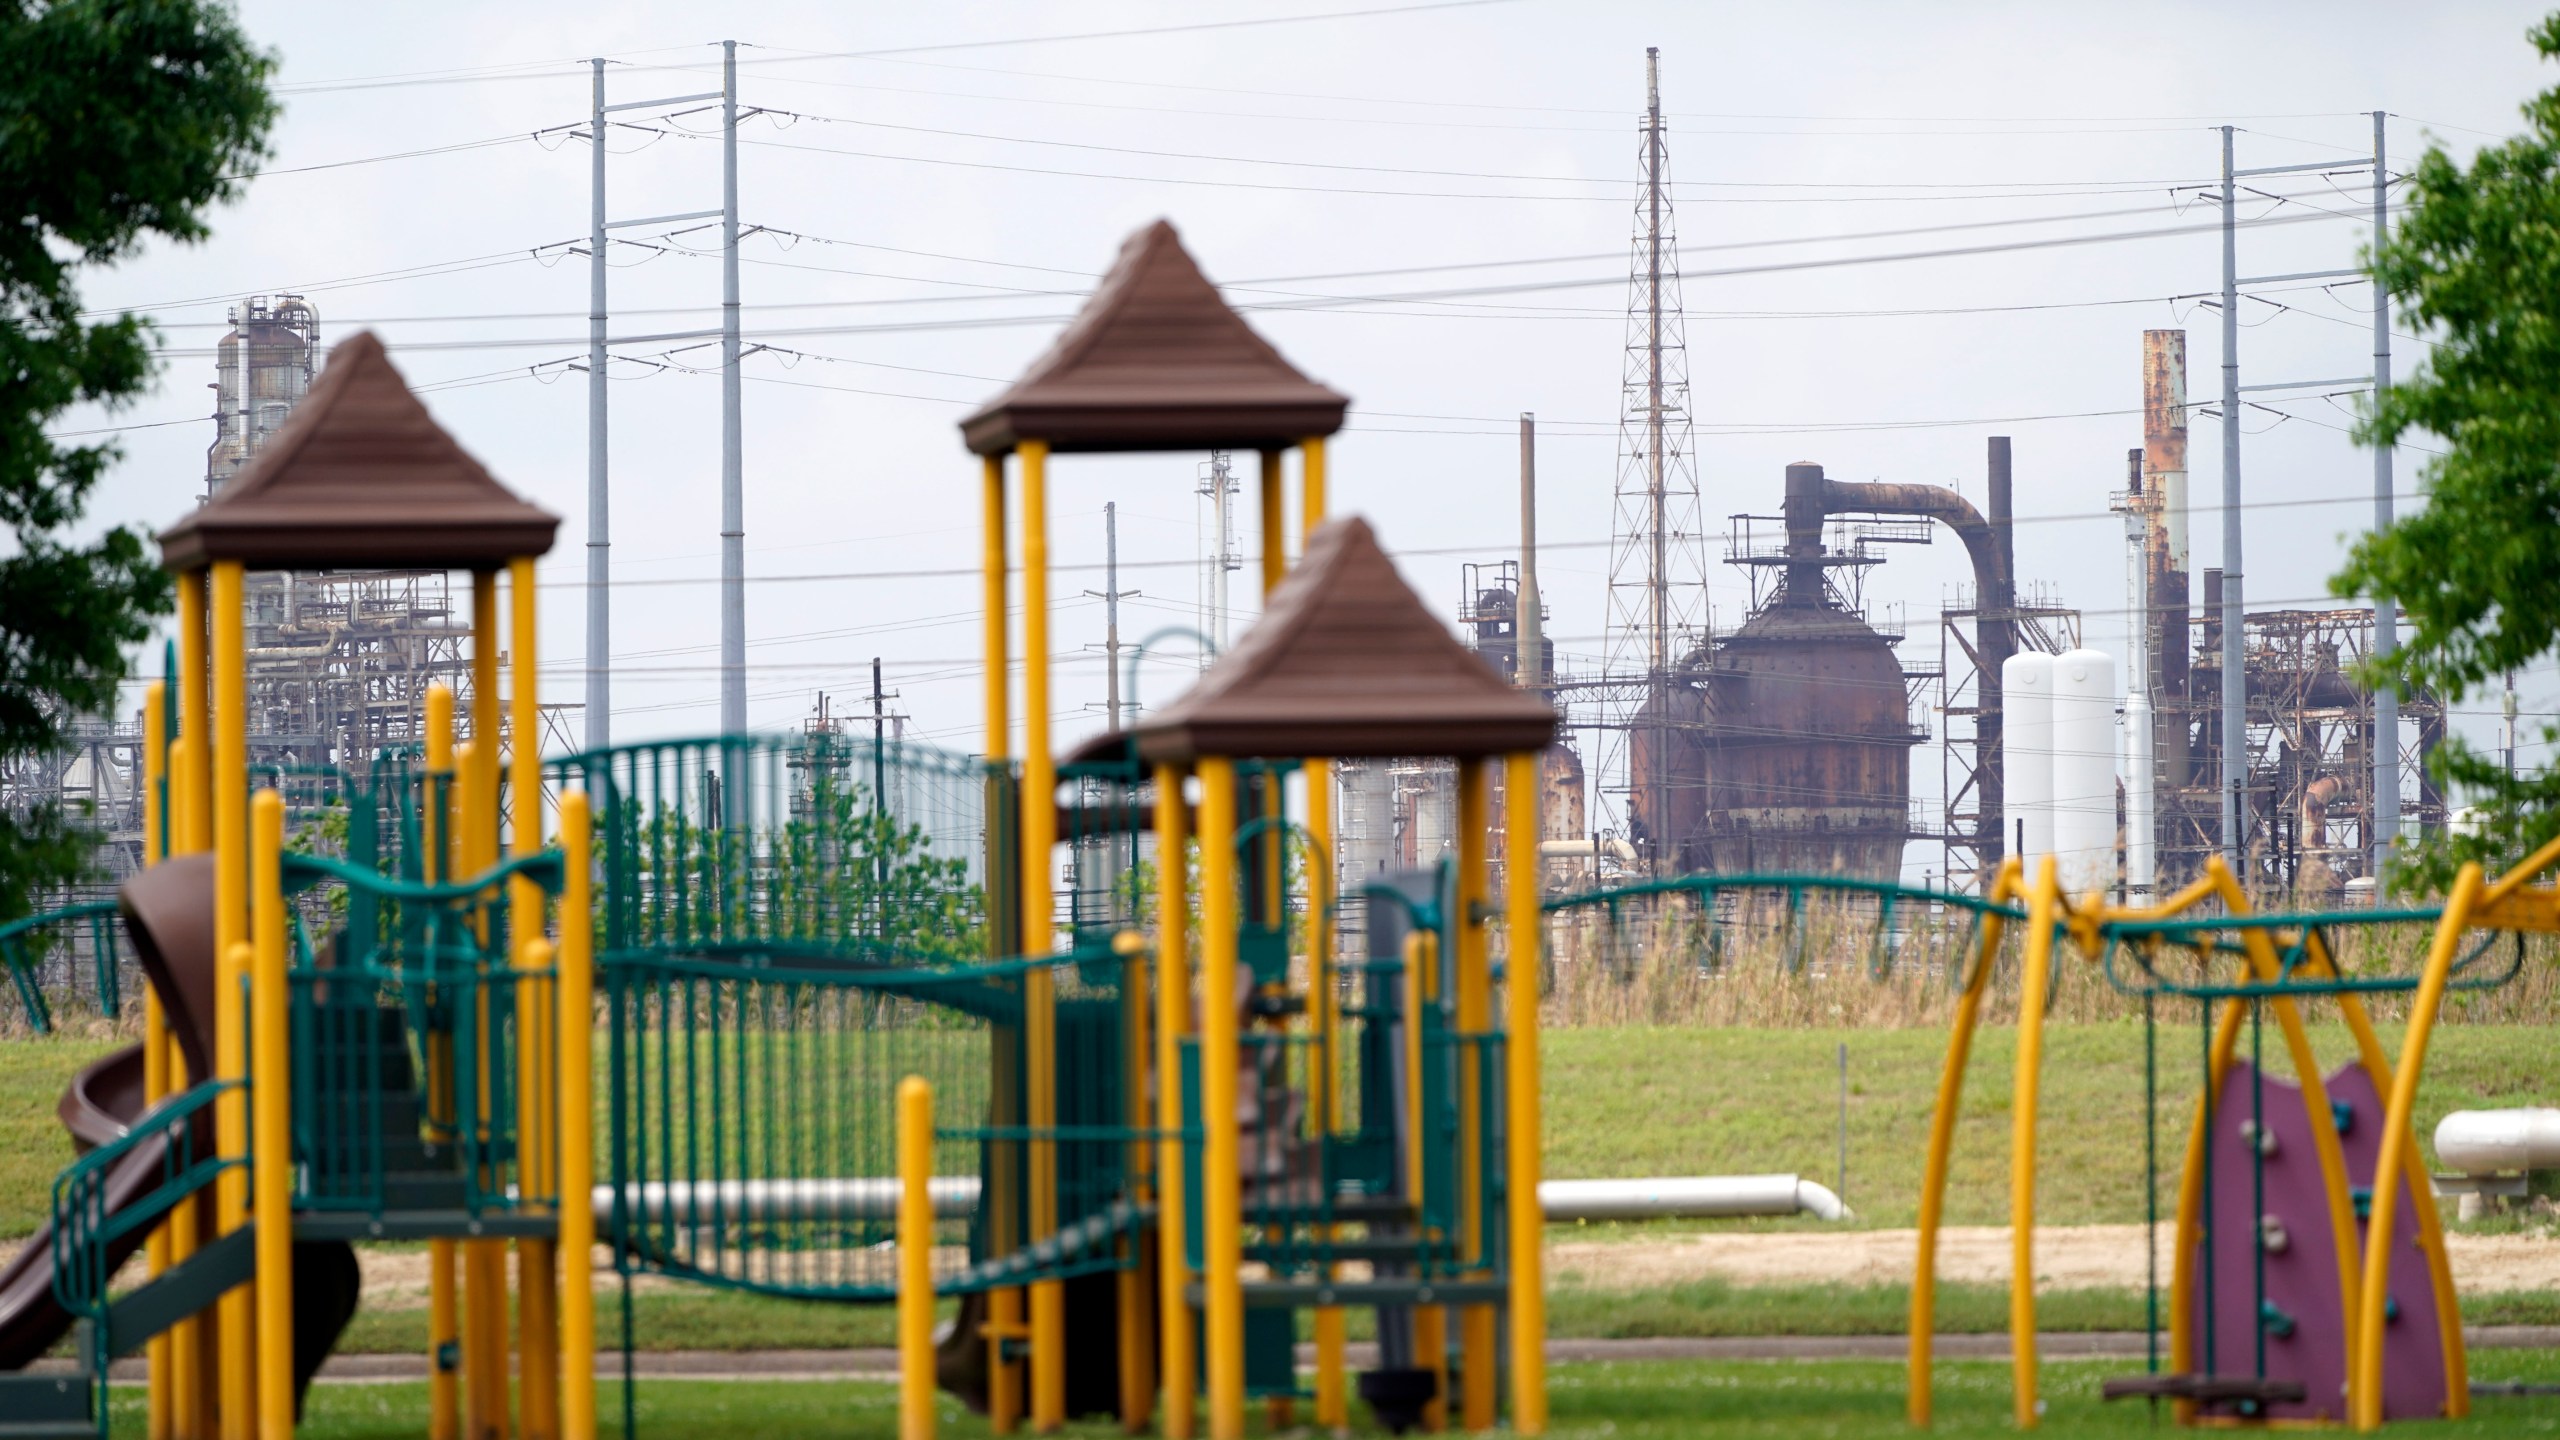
[1174, 1340]
[1275, 527]
[1524, 1127]
[576, 1049]
[1476, 1329]
[1136, 1338]
[1324, 1005]
[155, 1033]
[1004, 1307]
[537, 1085]
[236, 1375]
[1917, 1406]
[2364, 1377]
[484, 1263]
[192, 1360]
[436, 836]
[915, 1260]
[195, 724]
[2042, 903]
[1419, 985]
[1222, 1200]
[271, 1092]
[1039, 986]
[195, 1367]
[997, 604]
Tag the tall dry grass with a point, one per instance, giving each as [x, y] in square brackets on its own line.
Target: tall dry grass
[1836, 962]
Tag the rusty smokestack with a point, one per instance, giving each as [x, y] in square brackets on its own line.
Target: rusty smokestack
[1996, 635]
[2164, 464]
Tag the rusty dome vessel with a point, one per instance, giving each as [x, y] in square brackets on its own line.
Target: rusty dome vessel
[1786, 745]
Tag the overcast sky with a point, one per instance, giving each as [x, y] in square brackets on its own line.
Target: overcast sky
[931, 213]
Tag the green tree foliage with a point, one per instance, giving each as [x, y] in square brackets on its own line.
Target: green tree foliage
[120, 121]
[2476, 260]
[839, 878]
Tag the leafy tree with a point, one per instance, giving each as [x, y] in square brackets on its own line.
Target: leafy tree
[120, 120]
[2477, 571]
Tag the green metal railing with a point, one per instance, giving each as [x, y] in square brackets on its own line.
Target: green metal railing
[809, 847]
[25, 944]
[174, 1142]
[753, 1141]
[405, 1041]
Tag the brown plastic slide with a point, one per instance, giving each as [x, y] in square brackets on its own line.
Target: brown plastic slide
[168, 912]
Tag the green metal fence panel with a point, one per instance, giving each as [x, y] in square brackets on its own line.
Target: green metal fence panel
[811, 845]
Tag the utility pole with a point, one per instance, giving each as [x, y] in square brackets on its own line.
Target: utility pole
[1111, 595]
[599, 490]
[2235, 678]
[1111, 606]
[733, 504]
[2234, 773]
[2508, 707]
[1528, 627]
[2386, 613]
[599, 688]
[2141, 837]
[879, 774]
[1220, 488]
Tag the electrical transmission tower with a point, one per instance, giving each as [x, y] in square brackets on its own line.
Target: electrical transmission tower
[1657, 567]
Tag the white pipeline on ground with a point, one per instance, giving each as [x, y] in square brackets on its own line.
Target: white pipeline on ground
[955, 1197]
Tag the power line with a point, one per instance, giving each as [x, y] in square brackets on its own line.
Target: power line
[531, 70]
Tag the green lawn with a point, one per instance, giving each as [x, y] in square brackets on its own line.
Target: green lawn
[33, 1147]
[1727, 1101]
[1624, 1400]
[1736, 1101]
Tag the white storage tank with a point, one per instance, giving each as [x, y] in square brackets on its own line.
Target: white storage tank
[2084, 769]
[2026, 755]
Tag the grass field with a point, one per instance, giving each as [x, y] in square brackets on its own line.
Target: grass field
[1733, 1101]
[703, 1319]
[1665, 1101]
[1625, 1400]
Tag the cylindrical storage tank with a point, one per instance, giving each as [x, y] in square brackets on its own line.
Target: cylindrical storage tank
[1809, 770]
[2084, 769]
[2026, 755]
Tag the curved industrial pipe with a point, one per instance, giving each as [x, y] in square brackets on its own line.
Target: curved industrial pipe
[1811, 498]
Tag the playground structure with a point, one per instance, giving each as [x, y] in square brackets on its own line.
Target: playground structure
[825, 1020]
[2310, 1282]
[756, 944]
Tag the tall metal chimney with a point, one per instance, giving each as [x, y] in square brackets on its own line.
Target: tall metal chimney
[2164, 465]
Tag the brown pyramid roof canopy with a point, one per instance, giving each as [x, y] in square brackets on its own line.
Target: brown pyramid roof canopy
[1345, 662]
[361, 475]
[1156, 361]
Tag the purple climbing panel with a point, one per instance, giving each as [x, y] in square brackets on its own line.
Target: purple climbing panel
[2296, 1311]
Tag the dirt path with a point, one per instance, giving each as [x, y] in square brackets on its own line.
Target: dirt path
[2066, 1256]
[2079, 1255]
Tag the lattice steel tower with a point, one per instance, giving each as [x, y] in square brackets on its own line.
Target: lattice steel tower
[1657, 568]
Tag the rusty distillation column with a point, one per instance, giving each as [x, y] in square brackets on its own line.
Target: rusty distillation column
[2164, 468]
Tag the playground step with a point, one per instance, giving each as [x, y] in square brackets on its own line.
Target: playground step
[1342, 1209]
[1375, 1251]
[422, 1190]
[1323, 1294]
[184, 1290]
[45, 1407]
[450, 1223]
